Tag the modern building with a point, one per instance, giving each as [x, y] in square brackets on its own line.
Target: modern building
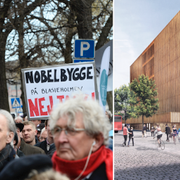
[160, 61]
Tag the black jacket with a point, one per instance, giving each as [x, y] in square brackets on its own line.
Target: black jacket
[48, 150]
[167, 130]
[6, 155]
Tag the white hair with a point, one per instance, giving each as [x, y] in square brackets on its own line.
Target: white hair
[95, 121]
[9, 119]
[19, 118]
[43, 129]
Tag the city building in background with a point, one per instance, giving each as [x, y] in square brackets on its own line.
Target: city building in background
[160, 61]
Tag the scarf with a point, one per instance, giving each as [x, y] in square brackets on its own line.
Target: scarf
[74, 168]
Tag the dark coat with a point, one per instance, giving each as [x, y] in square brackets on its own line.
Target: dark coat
[167, 130]
[28, 149]
[6, 155]
[43, 145]
[20, 168]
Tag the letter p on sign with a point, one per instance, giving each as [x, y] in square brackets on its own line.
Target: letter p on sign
[84, 48]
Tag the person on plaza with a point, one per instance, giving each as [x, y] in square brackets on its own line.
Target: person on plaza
[152, 131]
[18, 119]
[167, 131]
[144, 130]
[81, 132]
[48, 144]
[29, 133]
[125, 133]
[27, 149]
[159, 133]
[39, 129]
[131, 136]
[174, 133]
[7, 132]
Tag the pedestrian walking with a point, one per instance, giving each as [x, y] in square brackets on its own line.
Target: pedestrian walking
[131, 136]
[125, 132]
[174, 133]
[152, 131]
[167, 131]
[144, 130]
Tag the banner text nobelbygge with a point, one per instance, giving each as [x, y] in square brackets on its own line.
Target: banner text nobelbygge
[65, 75]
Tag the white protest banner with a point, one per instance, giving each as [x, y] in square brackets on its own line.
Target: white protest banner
[44, 87]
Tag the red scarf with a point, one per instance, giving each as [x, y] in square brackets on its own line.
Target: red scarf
[74, 168]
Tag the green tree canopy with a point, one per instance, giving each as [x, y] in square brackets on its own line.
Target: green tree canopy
[123, 100]
[146, 103]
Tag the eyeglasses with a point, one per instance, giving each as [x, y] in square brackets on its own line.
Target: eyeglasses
[69, 131]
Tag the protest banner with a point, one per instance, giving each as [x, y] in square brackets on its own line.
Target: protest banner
[45, 87]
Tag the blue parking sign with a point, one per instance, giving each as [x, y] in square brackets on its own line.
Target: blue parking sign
[84, 48]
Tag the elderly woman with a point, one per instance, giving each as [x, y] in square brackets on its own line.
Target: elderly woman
[80, 130]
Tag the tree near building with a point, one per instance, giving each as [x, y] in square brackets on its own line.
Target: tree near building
[146, 101]
[123, 100]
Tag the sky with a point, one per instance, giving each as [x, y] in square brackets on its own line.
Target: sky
[136, 24]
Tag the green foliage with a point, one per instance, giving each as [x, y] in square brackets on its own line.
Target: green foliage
[145, 92]
[123, 98]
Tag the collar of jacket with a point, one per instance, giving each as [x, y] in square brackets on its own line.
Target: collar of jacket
[6, 155]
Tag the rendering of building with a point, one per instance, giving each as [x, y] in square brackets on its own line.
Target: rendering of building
[160, 61]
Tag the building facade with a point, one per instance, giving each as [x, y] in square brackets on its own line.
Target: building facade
[160, 61]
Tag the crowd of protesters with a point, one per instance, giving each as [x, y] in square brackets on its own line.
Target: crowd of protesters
[72, 144]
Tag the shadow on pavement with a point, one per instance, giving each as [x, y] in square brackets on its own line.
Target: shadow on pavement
[164, 172]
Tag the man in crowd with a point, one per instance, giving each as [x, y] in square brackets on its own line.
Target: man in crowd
[29, 132]
[43, 135]
[39, 128]
[80, 130]
[7, 131]
[18, 119]
[48, 144]
[27, 149]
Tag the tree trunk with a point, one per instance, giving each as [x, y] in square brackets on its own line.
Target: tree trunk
[83, 11]
[142, 121]
[4, 100]
[22, 60]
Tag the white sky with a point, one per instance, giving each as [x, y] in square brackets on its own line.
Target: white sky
[136, 25]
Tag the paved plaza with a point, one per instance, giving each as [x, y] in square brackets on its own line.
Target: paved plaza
[145, 160]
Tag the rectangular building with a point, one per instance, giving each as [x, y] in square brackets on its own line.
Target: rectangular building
[160, 61]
